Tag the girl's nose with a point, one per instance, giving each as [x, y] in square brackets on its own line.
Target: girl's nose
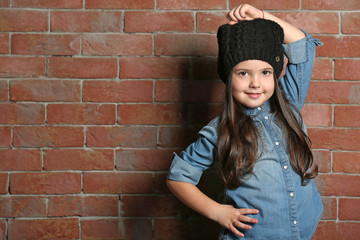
[255, 82]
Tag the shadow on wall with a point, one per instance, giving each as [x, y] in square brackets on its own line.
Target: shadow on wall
[201, 95]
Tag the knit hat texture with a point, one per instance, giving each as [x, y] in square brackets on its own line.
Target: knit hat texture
[258, 39]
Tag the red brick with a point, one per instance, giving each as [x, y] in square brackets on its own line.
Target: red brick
[118, 91]
[4, 183]
[118, 183]
[161, 206]
[347, 116]
[14, 113]
[22, 66]
[4, 3]
[334, 92]
[23, 21]
[338, 185]
[68, 67]
[20, 160]
[317, 115]
[154, 67]
[5, 136]
[4, 90]
[323, 69]
[3, 225]
[347, 69]
[45, 90]
[335, 139]
[160, 21]
[120, 4]
[313, 22]
[210, 22]
[86, 21]
[62, 206]
[349, 209]
[339, 46]
[269, 4]
[330, 208]
[143, 160]
[56, 228]
[191, 4]
[79, 159]
[189, 91]
[45, 183]
[185, 45]
[347, 162]
[117, 44]
[202, 114]
[189, 229]
[49, 4]
[45, 44]
[48, 136]
[331, 5]
[116, 229]
[176, 136]
[16, 206]
[4, 43]
[332, 230]
[323, 160]
[350, 23]
[151, 114]
[121, 136]
[81, 114]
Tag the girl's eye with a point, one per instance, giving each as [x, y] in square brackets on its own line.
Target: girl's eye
[266, 73]
[242, 74]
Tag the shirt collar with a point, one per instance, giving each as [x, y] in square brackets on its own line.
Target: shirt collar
[255, 111]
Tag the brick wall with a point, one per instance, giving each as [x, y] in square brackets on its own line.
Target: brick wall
[95, 95]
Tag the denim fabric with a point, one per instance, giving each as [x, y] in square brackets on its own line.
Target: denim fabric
[288, 210]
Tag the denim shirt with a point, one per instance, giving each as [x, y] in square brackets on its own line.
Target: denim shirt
[287, 209]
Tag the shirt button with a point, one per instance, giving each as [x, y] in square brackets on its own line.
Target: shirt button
[295, 222]
[259, 108]
[277, 143]
[266, 117]
[285, 167]
[291, 194]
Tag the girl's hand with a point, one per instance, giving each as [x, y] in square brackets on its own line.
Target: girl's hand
[233, 218]
[243, 12]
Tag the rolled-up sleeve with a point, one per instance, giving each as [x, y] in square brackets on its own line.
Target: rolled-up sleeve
[301, 56]
[189, 165]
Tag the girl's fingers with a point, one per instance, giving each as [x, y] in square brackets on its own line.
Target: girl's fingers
[248, 219]
[231, 16]
[241, 225]
[236, 232]
[242, 12]
[244, 211]
[237, 13]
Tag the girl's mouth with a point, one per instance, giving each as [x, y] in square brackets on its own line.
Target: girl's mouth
[253, 95]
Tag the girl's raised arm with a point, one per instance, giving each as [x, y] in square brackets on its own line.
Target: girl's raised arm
[248, 12]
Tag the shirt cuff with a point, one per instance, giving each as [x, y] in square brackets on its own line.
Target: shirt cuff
[182, 171]
[296, 51]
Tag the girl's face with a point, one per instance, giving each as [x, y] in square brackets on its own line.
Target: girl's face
[252, 82]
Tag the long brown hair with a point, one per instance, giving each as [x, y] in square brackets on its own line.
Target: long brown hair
[238, 139]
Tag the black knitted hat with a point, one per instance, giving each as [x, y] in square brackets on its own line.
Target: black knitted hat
[258, 39]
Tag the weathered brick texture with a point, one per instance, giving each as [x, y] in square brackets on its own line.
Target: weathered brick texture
[96, 96]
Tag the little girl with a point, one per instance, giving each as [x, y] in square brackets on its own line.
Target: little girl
[259, 143]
